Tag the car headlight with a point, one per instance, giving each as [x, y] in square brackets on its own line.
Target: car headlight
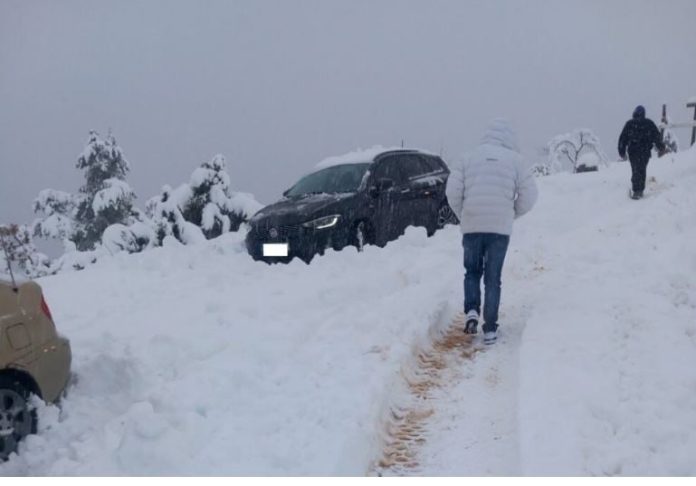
[322, 223]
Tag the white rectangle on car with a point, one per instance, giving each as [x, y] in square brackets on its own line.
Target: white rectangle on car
[275, 249]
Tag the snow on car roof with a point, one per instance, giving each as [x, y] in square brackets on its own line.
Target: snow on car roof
[361, 155]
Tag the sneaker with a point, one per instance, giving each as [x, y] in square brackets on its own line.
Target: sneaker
[490, 337]
[472, 319]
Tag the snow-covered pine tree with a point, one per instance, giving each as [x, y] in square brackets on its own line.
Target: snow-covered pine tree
[212, 205]
[18, 245]
[106, 196]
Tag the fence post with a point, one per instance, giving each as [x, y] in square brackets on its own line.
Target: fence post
[692, 104]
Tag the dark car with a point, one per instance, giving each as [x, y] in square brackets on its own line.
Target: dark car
[369, 197]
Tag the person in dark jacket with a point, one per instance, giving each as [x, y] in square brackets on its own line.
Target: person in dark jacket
[637, 138]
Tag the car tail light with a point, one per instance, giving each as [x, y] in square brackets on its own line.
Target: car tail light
[45, 309]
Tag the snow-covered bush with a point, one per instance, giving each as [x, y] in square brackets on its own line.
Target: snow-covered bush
[670, 140]
[56, 210]
[576, 151]
[133, 239]
[17, 248]
[212, 205]
[166, 218]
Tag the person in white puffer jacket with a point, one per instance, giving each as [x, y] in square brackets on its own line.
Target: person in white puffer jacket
[489, 189]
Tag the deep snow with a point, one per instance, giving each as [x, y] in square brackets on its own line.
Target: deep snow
[197, 360]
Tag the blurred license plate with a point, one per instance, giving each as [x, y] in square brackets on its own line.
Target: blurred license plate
[275, 249]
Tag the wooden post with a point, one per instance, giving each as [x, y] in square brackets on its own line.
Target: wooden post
[664, 122]
[693, 129]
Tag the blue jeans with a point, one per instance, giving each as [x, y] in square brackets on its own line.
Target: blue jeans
[484, 254]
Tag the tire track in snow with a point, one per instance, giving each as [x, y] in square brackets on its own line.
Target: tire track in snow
[405, 428]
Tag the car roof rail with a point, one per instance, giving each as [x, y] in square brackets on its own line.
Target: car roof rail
[8, 231]
[396, 151]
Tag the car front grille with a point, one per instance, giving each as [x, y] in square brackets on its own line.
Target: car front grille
[281, 232]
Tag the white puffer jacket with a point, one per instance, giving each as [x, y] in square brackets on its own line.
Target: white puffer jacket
[491, 186]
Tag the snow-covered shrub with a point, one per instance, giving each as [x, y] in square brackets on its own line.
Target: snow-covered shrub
[56, 210]
[17, 248]
[212, 205]
[576, 151]
[670, 140]
[133, 239]
[166, 218]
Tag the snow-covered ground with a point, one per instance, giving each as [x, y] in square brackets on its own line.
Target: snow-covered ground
[197, 360]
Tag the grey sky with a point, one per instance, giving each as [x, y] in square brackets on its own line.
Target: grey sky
[277, 86]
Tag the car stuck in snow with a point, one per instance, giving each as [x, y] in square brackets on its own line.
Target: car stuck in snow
[366, 197]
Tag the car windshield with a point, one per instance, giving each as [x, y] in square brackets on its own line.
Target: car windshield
[339, 178]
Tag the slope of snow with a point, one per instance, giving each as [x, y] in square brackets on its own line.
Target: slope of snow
[197, 360]
[593, 374]
[607, 382]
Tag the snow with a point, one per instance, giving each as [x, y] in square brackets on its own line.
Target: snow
[359, 156]
[114, 192]
[49, 200]
[589, 159]
[196, 360]
[244, 203]
[118, 237]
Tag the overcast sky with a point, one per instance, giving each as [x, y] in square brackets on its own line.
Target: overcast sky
[278, 86]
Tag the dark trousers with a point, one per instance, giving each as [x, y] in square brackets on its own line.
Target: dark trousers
[484, 255]
[639, 165]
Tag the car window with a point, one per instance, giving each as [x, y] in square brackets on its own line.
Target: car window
[412, 165]
[388, 168]
[434, 164]
[338, 179]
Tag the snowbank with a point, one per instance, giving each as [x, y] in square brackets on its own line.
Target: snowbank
[607, 382]
[197, 360]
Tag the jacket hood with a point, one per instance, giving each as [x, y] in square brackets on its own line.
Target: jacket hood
[639, 112]
[500, 133]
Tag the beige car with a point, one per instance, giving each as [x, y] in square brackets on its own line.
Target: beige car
[34, 359]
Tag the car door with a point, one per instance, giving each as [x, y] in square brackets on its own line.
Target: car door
[389, 213]
[418, 190]
[433, 184]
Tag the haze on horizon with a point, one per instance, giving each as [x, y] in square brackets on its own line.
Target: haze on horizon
[276, 86]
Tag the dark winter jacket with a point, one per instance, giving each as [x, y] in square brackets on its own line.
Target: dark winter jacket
[639, 135]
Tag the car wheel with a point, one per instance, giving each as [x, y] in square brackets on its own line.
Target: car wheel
[17, 418]
[445, 216]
